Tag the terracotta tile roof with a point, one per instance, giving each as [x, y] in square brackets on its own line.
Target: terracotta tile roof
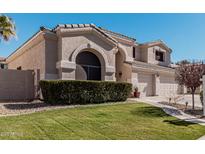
[156, 41]
[117, 34]
[93, 25]
[70, 26]
[153, 67]
[101, 30]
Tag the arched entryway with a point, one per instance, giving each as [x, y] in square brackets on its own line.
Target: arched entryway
[88, 66]
[119, 64]
[123, 68]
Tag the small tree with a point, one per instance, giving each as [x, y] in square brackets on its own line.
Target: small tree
[189, 75]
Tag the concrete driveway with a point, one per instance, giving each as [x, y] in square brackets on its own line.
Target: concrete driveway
[182, 99]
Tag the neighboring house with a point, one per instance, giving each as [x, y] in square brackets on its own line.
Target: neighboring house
[3, 63]
[88, 52]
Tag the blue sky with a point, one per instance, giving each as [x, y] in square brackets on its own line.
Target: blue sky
[184, 33]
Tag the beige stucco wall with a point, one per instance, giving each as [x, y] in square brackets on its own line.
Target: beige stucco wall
[29, 57]
[70, 43]
[128, 49]
[40, 54]
[203, 95]
[144, 54]
[16, 85]
[151, 56]
[123, 70]
[51, 57]
[147, 54]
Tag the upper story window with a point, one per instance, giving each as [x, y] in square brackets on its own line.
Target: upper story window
[133, 52]
[159, 56]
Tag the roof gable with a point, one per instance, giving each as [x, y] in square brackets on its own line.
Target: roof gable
[77, 28]
[157, 42]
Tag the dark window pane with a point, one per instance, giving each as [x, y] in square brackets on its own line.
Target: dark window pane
[133, 52]
[159, 56]
[91, 65]
[2, 66]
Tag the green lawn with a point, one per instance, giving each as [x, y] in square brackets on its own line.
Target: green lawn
[119, 121]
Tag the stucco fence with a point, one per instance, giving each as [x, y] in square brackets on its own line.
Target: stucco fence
[16, 85]
[204, 95]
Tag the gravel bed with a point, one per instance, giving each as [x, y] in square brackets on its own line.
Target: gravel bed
[20, 108]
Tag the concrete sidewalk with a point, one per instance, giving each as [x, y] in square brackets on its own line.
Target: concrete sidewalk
[202, 138]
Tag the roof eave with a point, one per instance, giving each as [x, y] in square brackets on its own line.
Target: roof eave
[42, 29]
[155, 43]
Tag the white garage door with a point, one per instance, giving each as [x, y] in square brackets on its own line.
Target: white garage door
[145, 86]
[168, 86]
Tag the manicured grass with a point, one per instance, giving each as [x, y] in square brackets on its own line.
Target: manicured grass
[119, 121]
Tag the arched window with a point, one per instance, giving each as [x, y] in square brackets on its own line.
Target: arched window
[88, 66]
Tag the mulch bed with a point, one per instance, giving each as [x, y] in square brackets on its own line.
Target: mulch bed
[198, 112]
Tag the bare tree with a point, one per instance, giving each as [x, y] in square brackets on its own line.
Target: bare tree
[183, 62]
[189, 75]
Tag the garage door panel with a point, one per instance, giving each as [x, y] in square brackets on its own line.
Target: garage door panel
[145, 86]
[168, 86]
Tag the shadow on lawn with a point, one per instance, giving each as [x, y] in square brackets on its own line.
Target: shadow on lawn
[149, 111]
[179, 122]
[152, 112]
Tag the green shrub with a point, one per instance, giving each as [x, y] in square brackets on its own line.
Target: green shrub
[84, 92]
[201, 97]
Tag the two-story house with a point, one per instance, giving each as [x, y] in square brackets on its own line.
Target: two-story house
[88, 52]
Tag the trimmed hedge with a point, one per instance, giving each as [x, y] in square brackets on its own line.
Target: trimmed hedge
[84, 92]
